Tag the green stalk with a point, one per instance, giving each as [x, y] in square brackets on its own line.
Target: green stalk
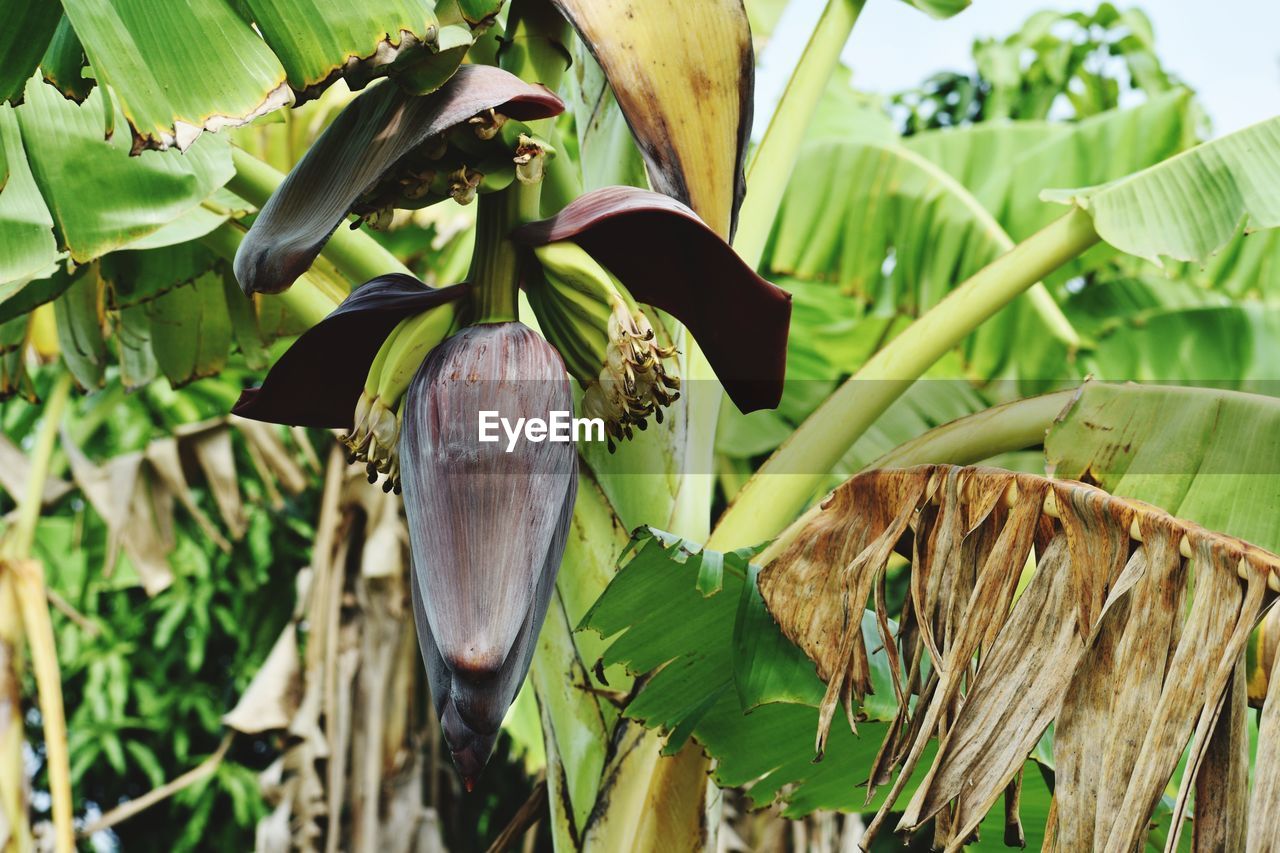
[532, 50]
[495, 264]
[21, 614]
[1016, 425]
[786, 482]
[775, 158]
[20, 538]
[357, 255]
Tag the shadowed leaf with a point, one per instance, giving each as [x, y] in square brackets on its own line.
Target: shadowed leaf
[28, 27]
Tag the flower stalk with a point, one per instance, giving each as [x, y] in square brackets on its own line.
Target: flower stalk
[495, 264]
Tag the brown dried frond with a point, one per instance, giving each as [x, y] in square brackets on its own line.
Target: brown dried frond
[1098, 639]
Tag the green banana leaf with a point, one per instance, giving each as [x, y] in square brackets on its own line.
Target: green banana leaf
[64, 64]
[1246, 268]
[607, 153]
[81, 336]
[137, 277]
[1207, 455]
[1189, 206]
[14, 380]
[940, 8]
[28, 27]
[1221, 346]
[897, 223]
[26, 229]
[191, 329]
[694, 616]
[1006, 164]
[313, 39]
[99, 197]
[180, 69]
[1120, 300]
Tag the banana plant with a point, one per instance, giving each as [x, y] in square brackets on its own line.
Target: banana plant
[641, 307]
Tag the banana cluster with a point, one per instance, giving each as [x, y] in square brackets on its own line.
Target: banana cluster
[482, 155]
[607, 341]
[375, 437]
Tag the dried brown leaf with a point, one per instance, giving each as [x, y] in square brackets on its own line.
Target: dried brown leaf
[273, 695]
[212, 447]
[1100, 641]
[1222, 784]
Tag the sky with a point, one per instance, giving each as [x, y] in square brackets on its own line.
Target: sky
[1228, 50]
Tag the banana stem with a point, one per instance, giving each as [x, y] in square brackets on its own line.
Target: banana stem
[788, 479]
[23, 611]
[495, 264]
[775, 158]
[1016, 425]
[20, 538]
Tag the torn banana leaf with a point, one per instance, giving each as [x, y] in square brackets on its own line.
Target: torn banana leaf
[1120, 588]
[101, 198]
[318, 41]
[684, 76]
[64, 64]
[368, 140]
[179, 69]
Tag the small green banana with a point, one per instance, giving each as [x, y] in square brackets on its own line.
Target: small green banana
[417, 336]
[376, 431]
[607, 340]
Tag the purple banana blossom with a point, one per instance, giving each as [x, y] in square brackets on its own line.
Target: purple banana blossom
[487, 524]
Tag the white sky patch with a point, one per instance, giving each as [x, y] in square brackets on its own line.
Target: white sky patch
[1226, 50]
